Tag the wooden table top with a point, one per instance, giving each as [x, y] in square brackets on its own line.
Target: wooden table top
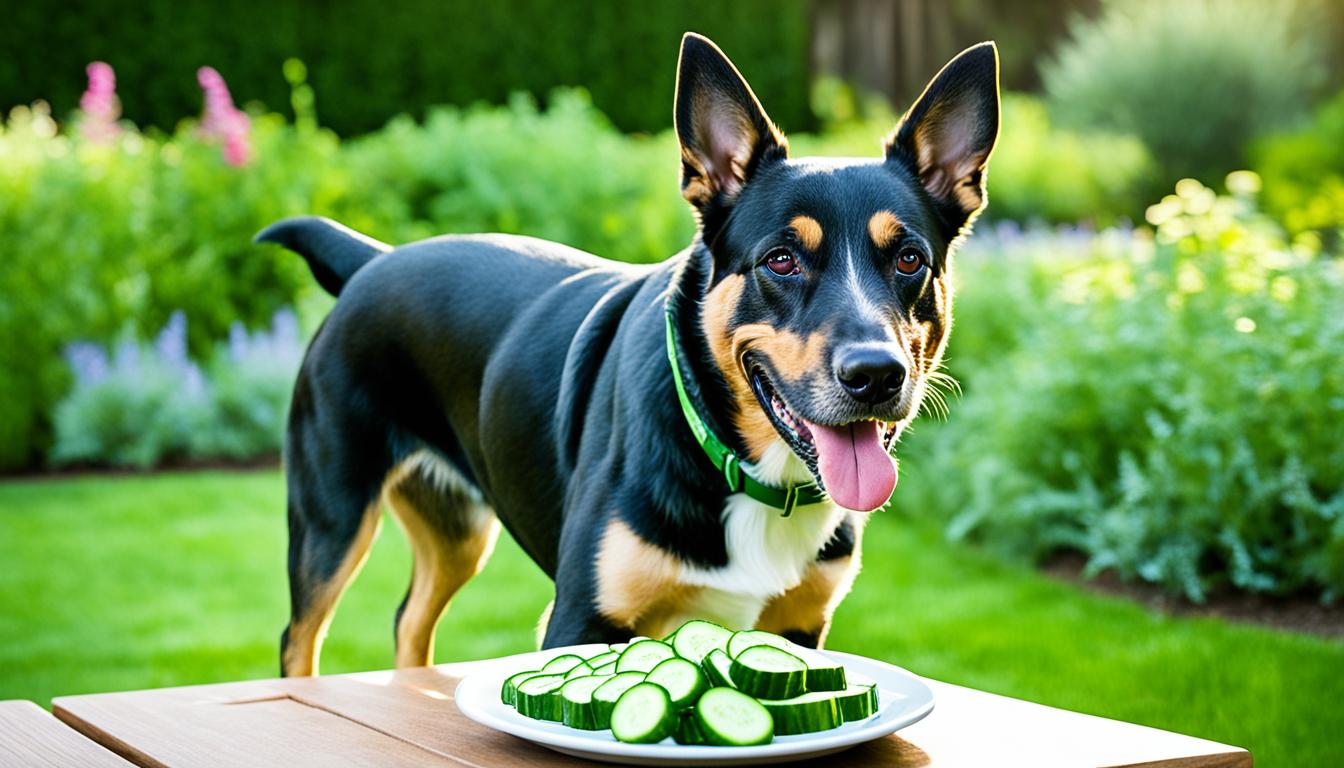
[407, 717]
[31, 737]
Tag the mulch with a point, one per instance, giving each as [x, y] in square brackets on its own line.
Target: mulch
[1297, 613]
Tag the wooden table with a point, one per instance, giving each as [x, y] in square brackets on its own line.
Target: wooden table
[408, 717]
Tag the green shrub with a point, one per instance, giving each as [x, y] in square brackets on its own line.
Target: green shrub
[1303, 171]
[370, 59]
[1171, 405]
[1042, 172]
[1194, 80]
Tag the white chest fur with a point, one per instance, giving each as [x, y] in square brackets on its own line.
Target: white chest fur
[767, 553]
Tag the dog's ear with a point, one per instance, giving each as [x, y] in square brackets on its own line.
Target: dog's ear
[725, 135]
[947, 136]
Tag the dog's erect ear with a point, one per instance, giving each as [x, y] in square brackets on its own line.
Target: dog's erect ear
[724, 133]
[947, 136]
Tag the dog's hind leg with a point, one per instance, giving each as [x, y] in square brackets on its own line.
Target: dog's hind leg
[451, 532]
[324, 557]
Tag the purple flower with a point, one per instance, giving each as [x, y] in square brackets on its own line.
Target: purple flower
[222, 121]
[99, 104]
[88, 362]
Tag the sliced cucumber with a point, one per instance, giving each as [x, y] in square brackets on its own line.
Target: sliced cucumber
[857, 702]
[807, 713]
[769, 673]
[643, 715]
[741, 641]
[682, 680]
[696, 639]
[538, 697]
[509, 690]
[562, 664]
[576, 703]
[643, 656]
[602, 659]
[688, 730]
[730, 718]
[718, 669]
[606, 695]
[823, 674]
[579, 670]
[606, 669]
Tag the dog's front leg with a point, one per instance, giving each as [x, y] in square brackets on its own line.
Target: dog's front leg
[610, 583]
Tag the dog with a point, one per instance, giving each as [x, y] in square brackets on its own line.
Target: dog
[701, 438]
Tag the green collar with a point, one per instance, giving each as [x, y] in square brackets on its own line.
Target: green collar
[734, 471]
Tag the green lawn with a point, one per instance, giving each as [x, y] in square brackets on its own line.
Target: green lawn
[137, 582]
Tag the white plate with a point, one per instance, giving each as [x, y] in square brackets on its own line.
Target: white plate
[902, 699]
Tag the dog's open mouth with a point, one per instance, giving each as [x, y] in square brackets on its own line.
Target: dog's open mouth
[851, 460]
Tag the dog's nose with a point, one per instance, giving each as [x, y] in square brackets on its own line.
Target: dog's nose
[870, 373]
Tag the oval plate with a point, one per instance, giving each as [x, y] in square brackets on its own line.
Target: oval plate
[902, 699]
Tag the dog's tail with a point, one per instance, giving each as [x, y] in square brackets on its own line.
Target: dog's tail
[334, 252]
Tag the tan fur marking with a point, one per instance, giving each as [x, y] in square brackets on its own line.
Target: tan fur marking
[792, 356]
[716, 319]
[884, 228]
[808, 231]
[637, 583]
[809, 606]
[307, 632]
[441, 566]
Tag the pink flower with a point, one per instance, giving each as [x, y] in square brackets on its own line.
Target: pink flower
[99, 104]
[222, 121]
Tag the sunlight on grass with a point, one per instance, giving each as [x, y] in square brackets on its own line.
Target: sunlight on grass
[124, 583]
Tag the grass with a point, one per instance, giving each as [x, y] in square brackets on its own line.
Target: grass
[136, 582]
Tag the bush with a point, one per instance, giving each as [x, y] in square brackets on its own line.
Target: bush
[1042, 172]
[1194, 80]
[371, 59]
[149, 403]
[1303, 171]
[1169, 405]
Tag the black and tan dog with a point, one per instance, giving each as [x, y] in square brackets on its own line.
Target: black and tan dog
[699, 438]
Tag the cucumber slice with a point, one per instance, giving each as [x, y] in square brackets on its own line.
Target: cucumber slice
[579, 670]
[741, 641]
[509, 691]
[606, 695]
[643, 715]
[688, 730]
[538, 697]
[561, 664]
[730, 718]
[576, 703]
[823, 674]
[807, 713]
[643, 656]
[602, 659]
[718, 669]
[857, 702]
[606, 669]
[682, 680]
[769, 673]
[696, 639]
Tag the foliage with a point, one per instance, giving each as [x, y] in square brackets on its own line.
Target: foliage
[1042, 172]
[1170, 405]
[146, 404]
[1194, 80]
[1303, 171]
[371, 59]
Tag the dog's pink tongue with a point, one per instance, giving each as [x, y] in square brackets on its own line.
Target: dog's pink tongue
[857, 471]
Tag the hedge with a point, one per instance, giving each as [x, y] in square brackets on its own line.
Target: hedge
[370, 59]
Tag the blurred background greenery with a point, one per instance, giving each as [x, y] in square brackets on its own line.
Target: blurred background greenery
[1150, 317]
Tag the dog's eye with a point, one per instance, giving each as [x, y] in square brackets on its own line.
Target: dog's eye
[909, 262]
[781, 262]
